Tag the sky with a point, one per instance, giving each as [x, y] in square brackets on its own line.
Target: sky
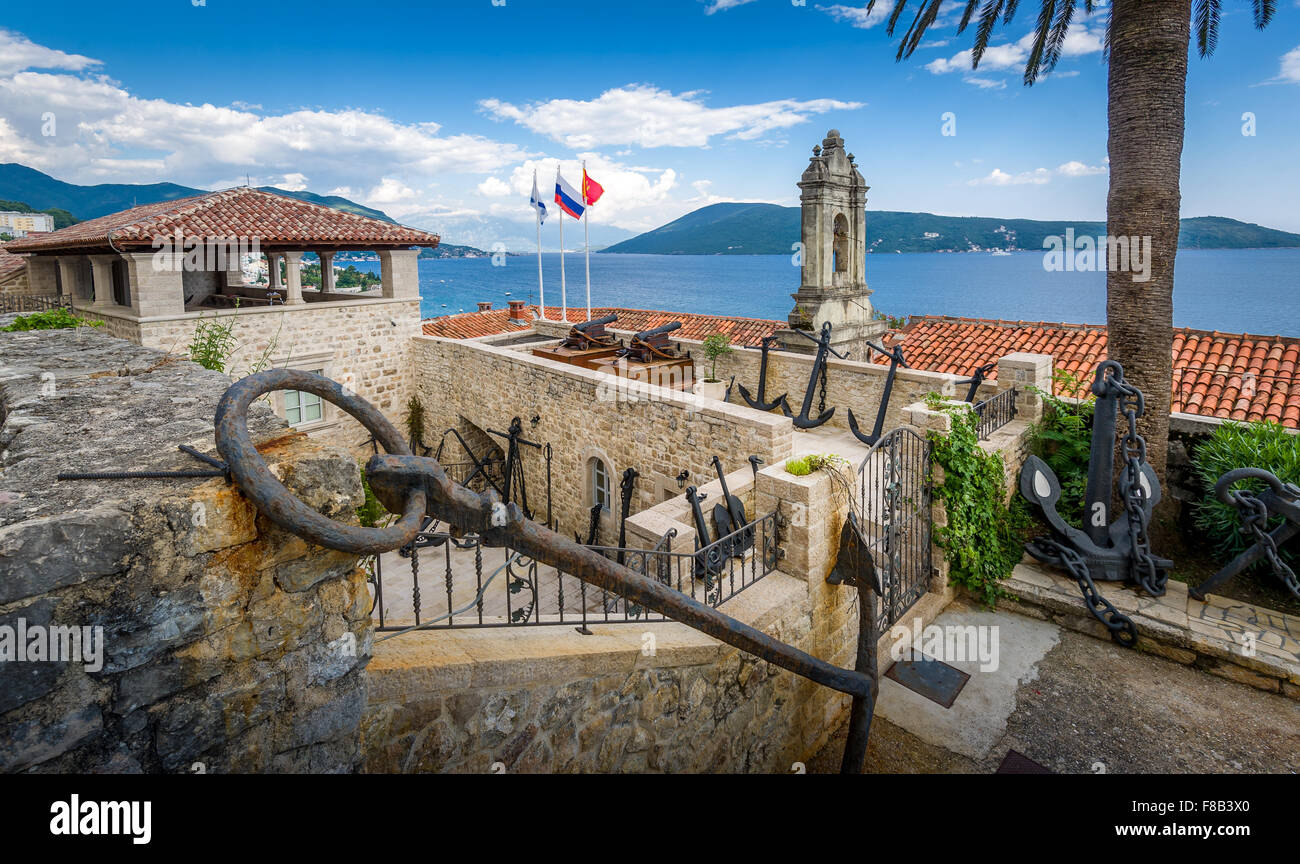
[438, 113]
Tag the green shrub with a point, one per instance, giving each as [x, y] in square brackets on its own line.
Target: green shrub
[804, 465]
[715, 346]
[52, 319]
[981, 541]
[213, 342]
[1063, 439]
[1241, 445]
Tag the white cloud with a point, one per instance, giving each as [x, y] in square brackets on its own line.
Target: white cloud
[858, 16]
[389, 191]
[724, 5]
[17, 53]
[998, 177]
[105, 133]
[494, 188]
[637, 198]
[1079, 169]
[985, 83]
[1290, 69]
[294, 182]
[647, 116]
[1080, 40]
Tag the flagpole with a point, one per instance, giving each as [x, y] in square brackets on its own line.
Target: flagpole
[564, 296]
[537, 214]
[586, 236]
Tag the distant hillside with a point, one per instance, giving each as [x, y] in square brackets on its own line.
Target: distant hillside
[41, 191]
[769, 229]
[451, 250]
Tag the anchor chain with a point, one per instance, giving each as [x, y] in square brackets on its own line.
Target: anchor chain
[1145, 572]
[1254, 520]
[821, 399]
[1121, 627]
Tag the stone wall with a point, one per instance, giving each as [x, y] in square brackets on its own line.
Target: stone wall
[584, 414]
[15, 282]
[363, 344]
[227, 645]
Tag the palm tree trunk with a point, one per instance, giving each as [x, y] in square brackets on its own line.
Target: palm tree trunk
[1146, 90]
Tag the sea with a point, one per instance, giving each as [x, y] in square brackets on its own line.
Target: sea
[1230, 290]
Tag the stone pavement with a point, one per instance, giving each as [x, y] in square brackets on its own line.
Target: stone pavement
[1076, 704]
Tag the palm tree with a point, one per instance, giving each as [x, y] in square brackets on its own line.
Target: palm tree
[1146, 44]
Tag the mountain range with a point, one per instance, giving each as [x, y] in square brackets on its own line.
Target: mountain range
[770, 229]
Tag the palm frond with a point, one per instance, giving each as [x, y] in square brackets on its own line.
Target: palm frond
[1264, 10]
[1010, 11]
[971, 5]
[1205, 17]
[924, 18]
[1046, 16]
[988, 18]
[1056, 41]
[893, 17]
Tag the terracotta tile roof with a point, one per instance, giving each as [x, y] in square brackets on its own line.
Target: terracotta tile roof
[9, 263]
[743, 331]
[1228, 375]
[275, 220]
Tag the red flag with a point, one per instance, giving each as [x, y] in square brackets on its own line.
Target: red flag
[591, 190]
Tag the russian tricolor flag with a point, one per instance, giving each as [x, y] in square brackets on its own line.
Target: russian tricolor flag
[568, 198]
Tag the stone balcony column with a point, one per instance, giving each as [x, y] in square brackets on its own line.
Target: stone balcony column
[68, 275]
[400, 273]
[157, 283]
[101, 267]
[1021, 370]
[273, 271]
[326, 271]
[292, 277]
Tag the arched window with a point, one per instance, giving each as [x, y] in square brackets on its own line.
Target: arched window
[840, 250]
[598, 475]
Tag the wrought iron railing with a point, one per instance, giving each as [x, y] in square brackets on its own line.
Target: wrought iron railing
[33, 302]
[894, 489]
[458, 583]
[996, 412]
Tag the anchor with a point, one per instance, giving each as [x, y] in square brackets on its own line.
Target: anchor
[760, 402]
[515, 489]
[896, 359]
[707, 563]
[803, 421]
[625, 487]
[1105, 551]
[1255, 509]
[976, 379]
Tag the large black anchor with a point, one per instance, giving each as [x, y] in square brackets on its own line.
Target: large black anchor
[896, 359]
[1255, 509]
[759, 402]
[1106, 551]
[803, 421]
[417, 487]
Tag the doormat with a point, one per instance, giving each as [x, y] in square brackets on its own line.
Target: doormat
[933, 679]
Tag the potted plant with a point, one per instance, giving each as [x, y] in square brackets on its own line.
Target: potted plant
[715, 346]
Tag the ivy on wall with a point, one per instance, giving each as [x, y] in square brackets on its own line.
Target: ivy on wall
[982, 540]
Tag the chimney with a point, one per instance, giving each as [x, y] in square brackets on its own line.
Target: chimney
[517, 311]
[485, 305]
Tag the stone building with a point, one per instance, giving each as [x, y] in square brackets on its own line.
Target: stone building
[155, 273]
[833, 281]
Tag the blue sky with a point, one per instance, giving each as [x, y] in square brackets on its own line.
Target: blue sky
[438, 113]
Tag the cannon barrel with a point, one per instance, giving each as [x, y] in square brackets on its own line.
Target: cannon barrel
[658, 331]
[596, 322]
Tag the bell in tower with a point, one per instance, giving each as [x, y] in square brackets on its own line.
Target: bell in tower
[833, 282]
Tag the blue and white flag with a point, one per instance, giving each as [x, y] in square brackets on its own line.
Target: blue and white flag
[567, 197]
[537, 202]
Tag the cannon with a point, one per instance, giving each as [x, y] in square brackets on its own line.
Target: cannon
[653, 344]
[650, 357]
[591, 334]
[584, 344]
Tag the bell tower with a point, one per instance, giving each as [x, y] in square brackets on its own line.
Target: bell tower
[833, 281]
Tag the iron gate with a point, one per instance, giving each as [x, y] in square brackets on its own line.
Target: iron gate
[894, 498]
